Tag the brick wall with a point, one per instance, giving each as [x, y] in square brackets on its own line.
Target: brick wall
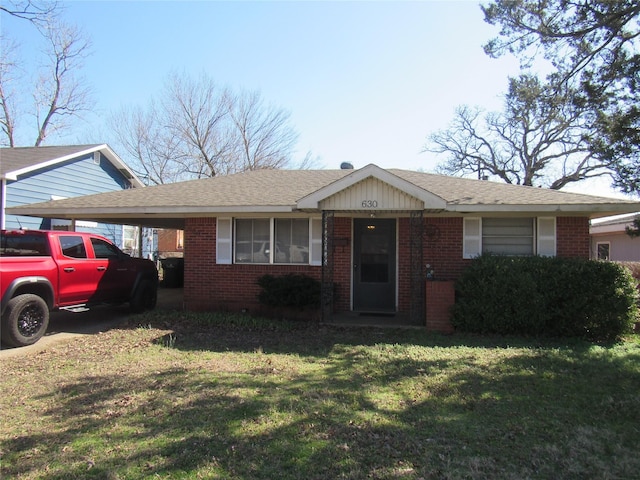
[168, 241]
[209, 286]
[233, 287]
[441, 296]
[572, 237]
[342, 266]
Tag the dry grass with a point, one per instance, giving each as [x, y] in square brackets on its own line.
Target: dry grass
[218, 397]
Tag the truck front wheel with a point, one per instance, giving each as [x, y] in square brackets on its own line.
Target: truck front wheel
[25, 320]
[145, 297]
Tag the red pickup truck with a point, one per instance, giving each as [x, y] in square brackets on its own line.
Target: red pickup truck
[41, 271]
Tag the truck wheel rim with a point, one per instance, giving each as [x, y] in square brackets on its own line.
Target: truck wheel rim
[30, 321]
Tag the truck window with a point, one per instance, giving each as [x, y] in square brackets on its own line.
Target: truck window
[73, 246]
[23, 245]
[104, 249]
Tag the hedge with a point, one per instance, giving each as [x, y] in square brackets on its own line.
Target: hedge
[546, 296]
[293, 290]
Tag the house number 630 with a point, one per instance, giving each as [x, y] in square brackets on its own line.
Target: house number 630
[369, 203]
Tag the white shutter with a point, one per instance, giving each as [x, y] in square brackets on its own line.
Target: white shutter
[471, 237]
[224, 250]
[546, 236]
[315, 257]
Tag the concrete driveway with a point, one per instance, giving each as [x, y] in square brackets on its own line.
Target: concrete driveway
[64, 326]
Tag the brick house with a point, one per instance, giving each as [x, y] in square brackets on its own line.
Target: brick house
[382, 242]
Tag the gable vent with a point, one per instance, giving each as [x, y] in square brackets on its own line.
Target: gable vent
[96, 158]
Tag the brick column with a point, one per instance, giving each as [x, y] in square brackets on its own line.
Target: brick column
[441, 296]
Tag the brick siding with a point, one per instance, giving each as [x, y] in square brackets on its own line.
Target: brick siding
[209, 286]
[572, 237]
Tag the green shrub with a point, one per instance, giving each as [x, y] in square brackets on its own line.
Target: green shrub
[545, 296]
[293, 290]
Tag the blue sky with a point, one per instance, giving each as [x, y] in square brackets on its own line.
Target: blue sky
[364, 82]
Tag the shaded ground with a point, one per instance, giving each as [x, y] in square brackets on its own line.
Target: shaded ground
[64, 325]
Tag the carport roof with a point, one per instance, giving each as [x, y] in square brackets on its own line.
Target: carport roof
[280, 191]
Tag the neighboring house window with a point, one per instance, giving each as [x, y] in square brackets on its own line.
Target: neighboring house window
[509, 236]
[130, 239]
[269, 240]
[604, 250]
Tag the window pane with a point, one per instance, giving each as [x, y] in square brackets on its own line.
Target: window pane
[102, 249]
[374, 258]
[24, 245]
[292, 240]
[507, 236]
[73, 246]
[252, 244]
[603, 251]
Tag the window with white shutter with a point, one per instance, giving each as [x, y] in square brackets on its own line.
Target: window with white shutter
[546, 236]
[472, 237]
[223, 241]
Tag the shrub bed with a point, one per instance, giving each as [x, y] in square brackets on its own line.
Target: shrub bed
[294, 290]
[545, 296]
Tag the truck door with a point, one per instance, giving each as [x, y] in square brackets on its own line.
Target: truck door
[117, 273]
[78, 274]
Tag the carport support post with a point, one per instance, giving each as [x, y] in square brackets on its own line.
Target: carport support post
[139, 239]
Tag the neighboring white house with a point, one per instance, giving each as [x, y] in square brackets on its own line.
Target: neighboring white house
[609, 240]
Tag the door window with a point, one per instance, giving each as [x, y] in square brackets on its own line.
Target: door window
[73, 246]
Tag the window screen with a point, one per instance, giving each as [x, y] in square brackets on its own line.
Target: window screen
[507, 236]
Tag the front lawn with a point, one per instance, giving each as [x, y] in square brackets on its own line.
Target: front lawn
[204, 396]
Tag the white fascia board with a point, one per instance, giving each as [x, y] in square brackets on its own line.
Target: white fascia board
[70, 212]
[119, 164]
[594, 210]
[313, 200]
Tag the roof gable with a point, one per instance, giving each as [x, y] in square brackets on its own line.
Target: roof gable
[22, 160]
[366, 184]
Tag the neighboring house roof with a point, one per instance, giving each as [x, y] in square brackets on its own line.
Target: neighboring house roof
[282, 191]
[616, 224]
[22, 160]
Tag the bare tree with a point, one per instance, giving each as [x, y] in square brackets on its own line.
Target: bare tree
[200, 130]
[39, 13]
[8, 68]
[60, 94]
[195, 113]
[141, 138]
[537, 140]
[263, 136]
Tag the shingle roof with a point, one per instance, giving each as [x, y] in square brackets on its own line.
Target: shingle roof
[18, 160]
[12, 159]
[280, 190]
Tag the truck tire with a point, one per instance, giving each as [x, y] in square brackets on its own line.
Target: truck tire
[25, 320]
[145, 297]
